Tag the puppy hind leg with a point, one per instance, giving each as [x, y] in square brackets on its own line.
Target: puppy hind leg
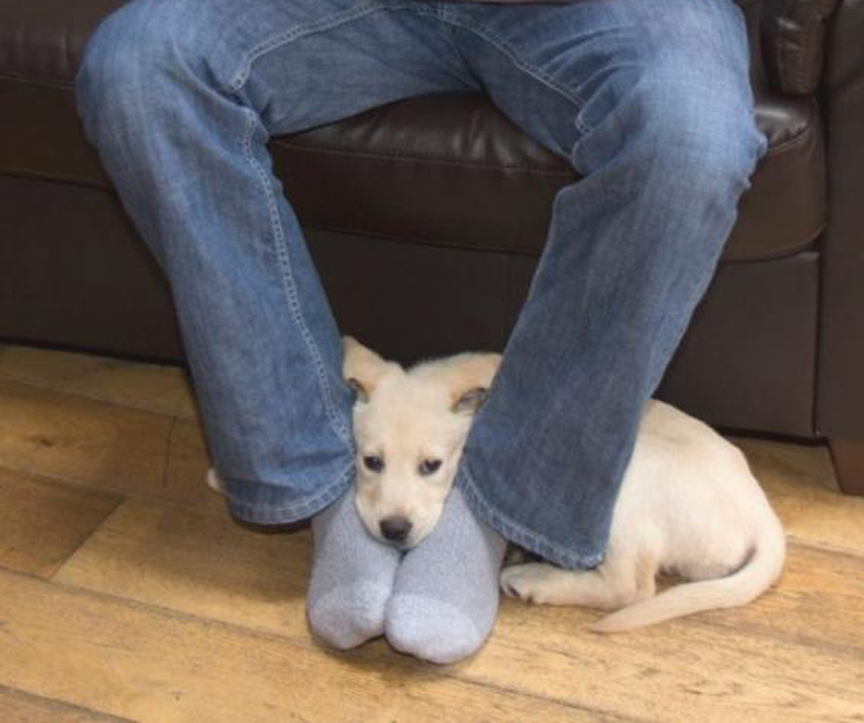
[621, 580]
[644, 576]
[545, 584]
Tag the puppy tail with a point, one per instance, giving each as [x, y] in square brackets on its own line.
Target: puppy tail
[746, 584]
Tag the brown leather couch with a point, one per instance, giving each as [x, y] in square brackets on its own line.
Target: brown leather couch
[443, 192]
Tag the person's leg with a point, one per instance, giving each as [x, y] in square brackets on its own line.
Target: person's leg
[180, 98]
[650, 101]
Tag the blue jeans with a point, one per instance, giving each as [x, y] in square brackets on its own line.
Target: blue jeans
[649, 100]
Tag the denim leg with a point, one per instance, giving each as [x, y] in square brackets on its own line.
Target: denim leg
[180, 98]
[650, 101]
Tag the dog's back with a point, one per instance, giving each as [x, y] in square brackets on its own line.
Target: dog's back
[717, 527]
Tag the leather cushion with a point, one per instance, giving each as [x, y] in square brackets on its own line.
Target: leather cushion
[452, 170]
[446, 170]
[43, 39]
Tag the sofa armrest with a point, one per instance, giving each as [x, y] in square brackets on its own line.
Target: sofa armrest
[793, 42]
[840, 386]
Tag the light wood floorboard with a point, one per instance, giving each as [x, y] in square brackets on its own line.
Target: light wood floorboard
[18, 707]
[70, 438]
[147, 663]
[42, 523]
[126, 590]
[149, 387]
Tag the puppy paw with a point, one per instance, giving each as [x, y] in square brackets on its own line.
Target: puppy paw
[214, 481]
[535, 582]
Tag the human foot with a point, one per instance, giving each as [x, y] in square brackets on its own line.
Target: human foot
[445, 597]
[352, 577]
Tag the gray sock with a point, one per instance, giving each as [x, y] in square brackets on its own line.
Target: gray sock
[352, 577]
[445, 598]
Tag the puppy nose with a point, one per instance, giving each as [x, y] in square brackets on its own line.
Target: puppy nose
[395, 529]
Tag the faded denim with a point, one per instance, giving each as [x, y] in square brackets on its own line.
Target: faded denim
[649, 100]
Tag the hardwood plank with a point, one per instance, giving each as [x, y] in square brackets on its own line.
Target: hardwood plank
[58, 435]
[149, 664]
[800, 482]
[817, 602]
[42, 523]
[19, 707]
[198, 563]
[742, 660]
[166, 554]
[44, 367]
[153, 387]
[188, 462]
[684, 670]
[171, 612]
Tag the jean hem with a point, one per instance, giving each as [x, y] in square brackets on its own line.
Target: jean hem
[517, 533]
[295, 510]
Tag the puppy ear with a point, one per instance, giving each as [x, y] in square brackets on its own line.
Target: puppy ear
[470, 376]
[361, 367]
[361, 391]
[470, 401]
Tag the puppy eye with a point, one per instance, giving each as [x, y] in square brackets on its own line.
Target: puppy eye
[429, 466]
[373, 464]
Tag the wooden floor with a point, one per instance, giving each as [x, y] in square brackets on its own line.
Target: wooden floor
[127, 593]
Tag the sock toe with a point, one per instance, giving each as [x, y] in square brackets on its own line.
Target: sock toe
[431, 629]
[445, 597]
[352, 578]
[348, 616]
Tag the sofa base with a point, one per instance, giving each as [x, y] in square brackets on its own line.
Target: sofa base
[848, 458]
[747, 361]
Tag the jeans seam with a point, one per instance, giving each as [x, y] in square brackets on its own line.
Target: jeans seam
[298, 31]
[581, 126]
[471, 80]
[288, 284]
[502, 45]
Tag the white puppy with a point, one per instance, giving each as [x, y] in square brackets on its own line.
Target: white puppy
[409, 428]
[688, 504]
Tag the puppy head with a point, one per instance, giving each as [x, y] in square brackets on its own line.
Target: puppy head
[409, 428]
